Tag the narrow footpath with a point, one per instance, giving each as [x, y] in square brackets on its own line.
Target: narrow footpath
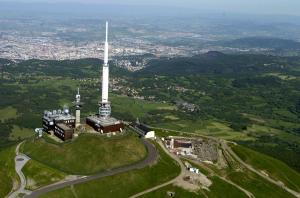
[20, 161]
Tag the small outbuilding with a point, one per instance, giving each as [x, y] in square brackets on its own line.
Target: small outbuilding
[145, 130]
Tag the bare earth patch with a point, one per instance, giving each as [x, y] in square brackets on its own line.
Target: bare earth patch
[193, 182]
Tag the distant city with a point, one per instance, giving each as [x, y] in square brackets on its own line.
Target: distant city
[67, 41]
[48, 46]
[60, 38]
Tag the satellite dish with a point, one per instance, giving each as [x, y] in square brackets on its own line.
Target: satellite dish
[39, 131]
[66, 111]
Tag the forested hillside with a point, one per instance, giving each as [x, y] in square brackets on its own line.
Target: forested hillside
[250, 99]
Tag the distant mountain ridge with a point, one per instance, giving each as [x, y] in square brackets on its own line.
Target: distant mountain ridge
[215, 62]
[263, 42]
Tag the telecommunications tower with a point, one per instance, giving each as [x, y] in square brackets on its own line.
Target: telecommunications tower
[102, 121]
[104, 104]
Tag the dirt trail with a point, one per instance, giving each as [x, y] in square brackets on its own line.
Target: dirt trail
[212, 173]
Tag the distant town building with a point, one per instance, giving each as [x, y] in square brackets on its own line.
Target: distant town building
[186, 106]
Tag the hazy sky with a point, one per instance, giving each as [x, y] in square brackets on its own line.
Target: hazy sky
[286, 7]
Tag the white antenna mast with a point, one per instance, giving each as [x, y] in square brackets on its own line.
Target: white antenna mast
[104, 105]
[106, 46]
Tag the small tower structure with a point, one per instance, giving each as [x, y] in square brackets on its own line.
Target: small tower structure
[78, 106]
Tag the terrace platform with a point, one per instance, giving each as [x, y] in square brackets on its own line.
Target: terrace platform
[104, 125]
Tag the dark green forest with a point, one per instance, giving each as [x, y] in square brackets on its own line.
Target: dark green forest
[257, 96]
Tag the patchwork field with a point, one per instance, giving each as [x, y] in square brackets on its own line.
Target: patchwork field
[8, 113]
[20, 133]
[136, 107]
[209, 128]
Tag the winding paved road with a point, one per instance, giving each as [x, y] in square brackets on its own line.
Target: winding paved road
[151, 157]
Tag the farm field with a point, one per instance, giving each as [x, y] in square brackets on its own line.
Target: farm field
[8, 113]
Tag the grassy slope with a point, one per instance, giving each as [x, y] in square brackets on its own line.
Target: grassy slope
[136, 107]
[210, 128]
[39, 175]
[125, 184]
[273, 167]
[220, 188]
[258, 186]
[7, 170]
[97, 153]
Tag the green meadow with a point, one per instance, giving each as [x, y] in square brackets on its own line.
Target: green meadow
[97, 152]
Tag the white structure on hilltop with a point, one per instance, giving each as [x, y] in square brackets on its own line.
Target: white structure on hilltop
[103, 122]
[78, 107]
[104, 104]
[150, 135]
